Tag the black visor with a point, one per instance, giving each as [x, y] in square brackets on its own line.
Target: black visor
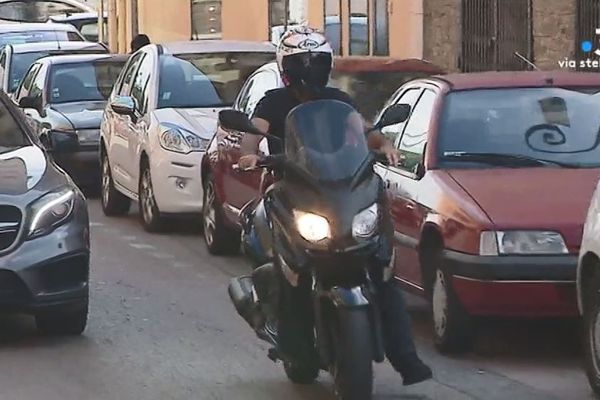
[311, 69]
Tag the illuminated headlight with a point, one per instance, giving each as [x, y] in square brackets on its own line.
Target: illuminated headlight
[312, 227]
[183, 142]
[521, 243]
[365, 222]
[49, 211]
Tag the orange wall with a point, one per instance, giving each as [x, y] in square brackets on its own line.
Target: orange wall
[245, 19]
[406, 28]
[165, 20]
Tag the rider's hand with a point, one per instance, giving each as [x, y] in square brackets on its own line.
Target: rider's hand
[248, 161]
[392, 154]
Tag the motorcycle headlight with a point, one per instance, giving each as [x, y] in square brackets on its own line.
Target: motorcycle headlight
[181, 141]
[365, 222]
[312, 227]
[49, 211]
[521, 243]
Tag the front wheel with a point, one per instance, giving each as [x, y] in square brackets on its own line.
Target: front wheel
[353, 359]
[149, 212]
[591, 343]
[114, 203]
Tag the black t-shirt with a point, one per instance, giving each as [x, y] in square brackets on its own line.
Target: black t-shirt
[275, 106]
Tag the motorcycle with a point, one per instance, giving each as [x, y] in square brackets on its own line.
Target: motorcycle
[322, 218]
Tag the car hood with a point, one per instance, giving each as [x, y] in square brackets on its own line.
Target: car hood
[533, 198]
[80, 115]
[202, 121]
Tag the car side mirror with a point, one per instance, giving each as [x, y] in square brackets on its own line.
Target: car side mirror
[238, 121]
[31, 102]
[61, 142]
[123, 105]
[395, 114]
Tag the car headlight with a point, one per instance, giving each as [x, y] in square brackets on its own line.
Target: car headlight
[312, 227]
[182, 141]
[521, 243]
[365, 222]
[87, 136]
[50, 211]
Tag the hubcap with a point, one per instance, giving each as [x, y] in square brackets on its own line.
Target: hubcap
[147, 197]
[209, 213]
[105, 181]
[440, 304]
[595, 341]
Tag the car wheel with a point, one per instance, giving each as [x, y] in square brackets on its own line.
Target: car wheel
[114, 203]
[65, 323]
[149, 212]
[452, 325]
[219, 239]
[591, 342]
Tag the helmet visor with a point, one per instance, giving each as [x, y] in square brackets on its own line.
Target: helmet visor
[308, 68]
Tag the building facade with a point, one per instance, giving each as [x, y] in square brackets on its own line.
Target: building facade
[458, 35]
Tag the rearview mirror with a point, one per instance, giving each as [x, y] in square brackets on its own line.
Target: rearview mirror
[123, 105]
[238, 121]
[393, 115]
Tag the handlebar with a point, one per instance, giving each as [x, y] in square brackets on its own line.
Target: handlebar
[269, 162]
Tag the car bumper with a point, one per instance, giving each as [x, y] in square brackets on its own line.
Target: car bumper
[82, 165]
[514, 286]
[48, 273]
[177, 183]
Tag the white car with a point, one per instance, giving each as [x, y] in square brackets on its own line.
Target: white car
[15, 59]
[161, 115]
[588, 290]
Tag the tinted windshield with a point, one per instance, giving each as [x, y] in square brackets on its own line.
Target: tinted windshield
[38, 37]
[205, 80]
[88, 81]
[371, 89]
[12, 135]
[559, 125]
[326, 139]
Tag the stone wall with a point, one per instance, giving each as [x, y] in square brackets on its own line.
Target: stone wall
[553, 31]
[442, 33]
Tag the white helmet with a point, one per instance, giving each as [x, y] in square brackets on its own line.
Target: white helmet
[304, 57]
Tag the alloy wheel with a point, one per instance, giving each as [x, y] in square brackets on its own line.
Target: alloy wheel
[209, 213]
[147, 197]
[440, 304]
[105, 181]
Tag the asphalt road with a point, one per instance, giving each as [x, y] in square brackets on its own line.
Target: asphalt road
[162, 328]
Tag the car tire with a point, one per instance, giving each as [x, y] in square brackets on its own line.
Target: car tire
[149, 212]
[591, 333]
[114, 203]
[63, 323]
[452, 325]
[219, 239]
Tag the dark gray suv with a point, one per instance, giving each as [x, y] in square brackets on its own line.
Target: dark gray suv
[44, 231]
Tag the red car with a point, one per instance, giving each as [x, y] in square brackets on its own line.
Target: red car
[369, 81]
[490, 200]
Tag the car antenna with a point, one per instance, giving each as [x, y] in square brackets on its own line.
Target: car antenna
[523, 58]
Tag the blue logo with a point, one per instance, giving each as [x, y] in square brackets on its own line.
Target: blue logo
[587, 46]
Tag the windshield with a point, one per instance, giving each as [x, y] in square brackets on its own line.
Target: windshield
[87, 81]
[205, 80]
[370, 90]
[326, 139]
[12, 135]
[555, 125]
[38, 37]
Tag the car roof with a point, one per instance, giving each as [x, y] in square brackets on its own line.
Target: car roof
[217, 46]
[385, 64]
[75, 16]
[78, 58]
[36, 26]
[33, 47]
[513, 79]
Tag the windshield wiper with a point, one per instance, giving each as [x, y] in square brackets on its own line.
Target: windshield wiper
[505, 159]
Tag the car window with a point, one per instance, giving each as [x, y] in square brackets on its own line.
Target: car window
[410, 97]
[242, 100]
[28, 80]
[35, 11]
[140, 84]
[38, 37]
[39, 83]
[89, 30]
[264, 81]
[2, 67]
[132, 67]
[412, 145]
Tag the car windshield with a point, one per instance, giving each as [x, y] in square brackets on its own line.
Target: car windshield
[326, 140]
[12, 135]
[38, 37]
[371, 89]
[86, 81]
[205, 80]
[520, 128]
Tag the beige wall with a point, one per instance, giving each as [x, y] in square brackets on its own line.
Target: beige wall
[165, 20]
[245, 19]
[406, 28]
[442, 32]
[553, 31]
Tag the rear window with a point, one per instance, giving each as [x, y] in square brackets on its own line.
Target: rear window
[38, 37]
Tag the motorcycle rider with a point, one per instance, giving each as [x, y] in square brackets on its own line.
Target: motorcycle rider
[305, 61]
